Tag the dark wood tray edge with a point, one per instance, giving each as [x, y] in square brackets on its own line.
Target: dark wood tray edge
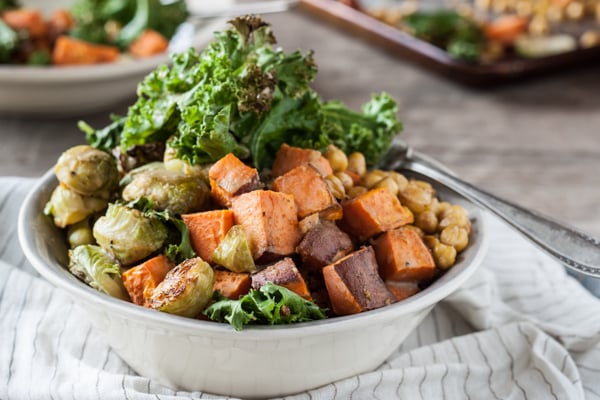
[436, 59]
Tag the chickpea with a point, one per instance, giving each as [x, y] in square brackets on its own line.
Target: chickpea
[372, 178]
[539, 25]
[400, 180]
[336, 186]
[455, 215]
[524, 8]
[443, 255]
[345, 179]
[409, 212]
[357, 163]
[589, 39]
[336, 157]
[416, 229]
[308, 222]
[455, 236]
[574, 10]
[356, 190]
[427, 221]
[424, 185]
[440, 208]
[389, 183]
[416, 196]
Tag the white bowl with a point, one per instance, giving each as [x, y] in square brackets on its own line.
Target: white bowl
[75, 90]
[268, 361]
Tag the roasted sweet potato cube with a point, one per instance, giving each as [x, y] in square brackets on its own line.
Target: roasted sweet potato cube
[402, 290]
[231, 284]
[402, 256]
[289, 157]
[60, 22]
[283, 273]
[141, 280]
[230, 177]
[324, 244]
[270, 221]
[374, 212]
[149, 43]
[207, 229]
[310, 191]
[25, 19]
[71, 51]
[354, 285]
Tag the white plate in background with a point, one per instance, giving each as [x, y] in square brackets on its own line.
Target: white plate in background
[76, 90]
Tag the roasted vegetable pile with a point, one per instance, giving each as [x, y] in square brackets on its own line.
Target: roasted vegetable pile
[91, 32]
[493, 30]
[205, 204]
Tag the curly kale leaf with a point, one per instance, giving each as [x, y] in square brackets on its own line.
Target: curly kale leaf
[106, 138]
[370, 132]
[9, 4]
[9, 40]
[177, 250]
[270, 305]
[460, 36]
[242, 96]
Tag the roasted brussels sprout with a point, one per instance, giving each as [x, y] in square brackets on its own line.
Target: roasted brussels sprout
[98, 269]
[172, 163]
[80, 233]
[186, 289]
[128, 234]
[87, 171]
[234, 251]
[68, 207]
[173, 191]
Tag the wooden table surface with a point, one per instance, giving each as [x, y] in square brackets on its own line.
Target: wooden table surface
[536, 143]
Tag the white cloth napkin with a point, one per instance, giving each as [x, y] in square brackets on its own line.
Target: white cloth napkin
[520, 328]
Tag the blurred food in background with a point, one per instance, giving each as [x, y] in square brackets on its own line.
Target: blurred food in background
[487, 31]
[89, 32]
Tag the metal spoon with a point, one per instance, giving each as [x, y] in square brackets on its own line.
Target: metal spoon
[575, 249]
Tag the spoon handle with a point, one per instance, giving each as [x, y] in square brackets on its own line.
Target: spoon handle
[575, 249]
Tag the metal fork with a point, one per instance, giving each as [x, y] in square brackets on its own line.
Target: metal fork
[575, 249]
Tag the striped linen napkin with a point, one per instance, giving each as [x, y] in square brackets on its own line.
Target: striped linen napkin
[520, 328]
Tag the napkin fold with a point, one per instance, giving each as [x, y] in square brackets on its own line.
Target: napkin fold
[520, 328]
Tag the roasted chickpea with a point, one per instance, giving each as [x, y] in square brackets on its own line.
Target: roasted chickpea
[440, 208]
[427, 221]
[455, 215]
[417, 196]
[443, 255]
[336, 186]
[416, 229]
[389, 183]
[356, 190]
[455, 236]
[336, 157]
[400, 180]
[346, 180]
[371, 178]
[357, 163]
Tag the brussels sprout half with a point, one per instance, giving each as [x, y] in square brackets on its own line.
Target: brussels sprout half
[234, 251]
[87, 171]
[80, 233]
[98, 269]
[68, 207]
[128, 234]
[186, 289]
[176, 192]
